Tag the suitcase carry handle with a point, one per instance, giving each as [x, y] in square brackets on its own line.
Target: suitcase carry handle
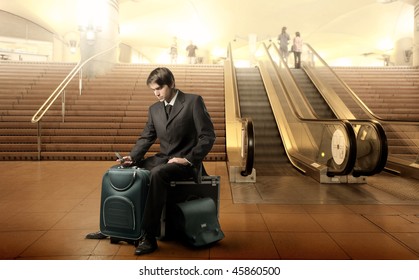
[120, 181]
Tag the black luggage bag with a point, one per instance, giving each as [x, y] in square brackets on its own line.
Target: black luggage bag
[124, 193]
[181, 191]
[197, 222]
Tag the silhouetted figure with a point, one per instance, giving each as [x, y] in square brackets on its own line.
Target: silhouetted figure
[173, 51]
[297, 48]
[283, 40]
[191, 49]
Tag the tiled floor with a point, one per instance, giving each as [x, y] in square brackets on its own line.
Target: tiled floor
[46, 209]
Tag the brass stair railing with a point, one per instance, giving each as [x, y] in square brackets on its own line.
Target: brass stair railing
[60, 91]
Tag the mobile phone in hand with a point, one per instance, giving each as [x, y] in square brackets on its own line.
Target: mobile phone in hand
[120, 158]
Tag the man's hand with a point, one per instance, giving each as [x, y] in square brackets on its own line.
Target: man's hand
[126, 161]
[177, 160]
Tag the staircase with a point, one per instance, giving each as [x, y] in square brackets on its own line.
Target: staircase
[390, 92]
[108, 116]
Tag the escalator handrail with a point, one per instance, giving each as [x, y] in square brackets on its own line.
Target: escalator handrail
[295, 84]
[237, 112]
[246, 122]
[381, 163]
[250, 138]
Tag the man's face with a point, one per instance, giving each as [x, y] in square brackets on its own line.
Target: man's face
[162, 93]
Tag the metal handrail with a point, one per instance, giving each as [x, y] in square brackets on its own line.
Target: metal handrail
[60, 90]
[247, 130]
[250, 147]
[235, 87]
[61, 87]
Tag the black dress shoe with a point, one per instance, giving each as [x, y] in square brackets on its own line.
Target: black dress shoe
[96, 235]
[146, 245]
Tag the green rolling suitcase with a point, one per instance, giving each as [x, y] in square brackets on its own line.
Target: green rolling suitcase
[123, 197]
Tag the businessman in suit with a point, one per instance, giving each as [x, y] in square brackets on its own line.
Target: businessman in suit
[182, 124]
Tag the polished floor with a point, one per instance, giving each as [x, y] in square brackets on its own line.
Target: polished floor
[46, 209]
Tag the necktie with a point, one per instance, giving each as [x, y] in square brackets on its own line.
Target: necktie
[168, 110]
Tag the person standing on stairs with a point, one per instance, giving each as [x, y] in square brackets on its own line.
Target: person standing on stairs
[283, 40]
[297, 48]
[191, 49]
[173, 51]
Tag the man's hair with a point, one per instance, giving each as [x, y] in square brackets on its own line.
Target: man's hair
[161, 76]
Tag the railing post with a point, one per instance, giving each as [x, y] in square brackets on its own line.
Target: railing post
[39, 139]
[63, 105]
[80, 80]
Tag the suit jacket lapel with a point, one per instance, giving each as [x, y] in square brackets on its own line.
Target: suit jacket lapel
[177, 107]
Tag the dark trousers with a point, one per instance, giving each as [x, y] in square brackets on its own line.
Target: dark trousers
[297, 59]
[161, 174]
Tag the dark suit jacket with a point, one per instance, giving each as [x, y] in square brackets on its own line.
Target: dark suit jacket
[188, 133]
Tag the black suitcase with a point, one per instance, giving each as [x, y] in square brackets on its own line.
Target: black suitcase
[181, 191]
[124, 193]
[197, 222]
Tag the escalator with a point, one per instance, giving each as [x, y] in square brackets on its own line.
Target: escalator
[307, 91]
[310, 138]
[308, 142]
[289, 137]
[269, 155]
[288, 132]
[366, 157]
[314, 97]
[403, 150]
